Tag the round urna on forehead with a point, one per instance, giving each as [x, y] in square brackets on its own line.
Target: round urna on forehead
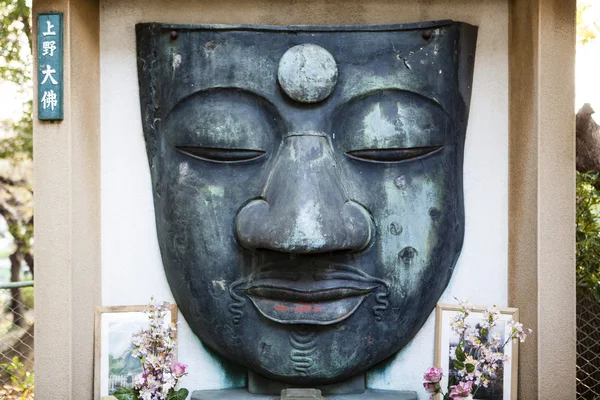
[307, 73]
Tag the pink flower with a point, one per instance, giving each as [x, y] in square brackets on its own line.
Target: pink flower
[433, 375]
[178, 369]
[461, 390]
[431, 387]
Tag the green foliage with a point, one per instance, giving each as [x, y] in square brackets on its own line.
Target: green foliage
[19, 145]
[459, 353]
[15, 41]
[27, 294]
[181, 394]
[21, 379]
[458, 364]
[124, 393]
[452, 381]
[588, 231]
[16, 67]
[115, 365]
[470, 368]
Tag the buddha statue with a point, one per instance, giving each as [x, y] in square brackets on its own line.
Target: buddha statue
[308, 189]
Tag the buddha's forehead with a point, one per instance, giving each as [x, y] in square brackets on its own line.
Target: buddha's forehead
[176, 61]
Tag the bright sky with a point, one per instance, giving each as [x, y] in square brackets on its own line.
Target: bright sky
[587, 65]
[11, 101]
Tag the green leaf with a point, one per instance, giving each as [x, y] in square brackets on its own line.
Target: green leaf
[124, 393]
[452, 381]
[588, 232]
[470, 368]
[460, 354]
[181, 394]
[458, 365]
[597, 292]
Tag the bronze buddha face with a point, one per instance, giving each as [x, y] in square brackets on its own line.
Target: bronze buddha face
[307, 185]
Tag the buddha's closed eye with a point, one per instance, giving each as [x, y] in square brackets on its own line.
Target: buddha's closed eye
[220, 155]
[393, 155]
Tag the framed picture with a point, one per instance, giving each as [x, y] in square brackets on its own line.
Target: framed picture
[505, 386]
[114, 366]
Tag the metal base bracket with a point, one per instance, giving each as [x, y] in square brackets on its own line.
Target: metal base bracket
[243, 394]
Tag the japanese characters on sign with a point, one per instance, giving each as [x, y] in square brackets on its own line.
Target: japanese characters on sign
[50, 66]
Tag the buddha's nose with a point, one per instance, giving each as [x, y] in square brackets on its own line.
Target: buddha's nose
[304, 208]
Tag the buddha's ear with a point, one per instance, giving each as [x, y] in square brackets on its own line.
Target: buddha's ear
[466, 62]
[146, 35]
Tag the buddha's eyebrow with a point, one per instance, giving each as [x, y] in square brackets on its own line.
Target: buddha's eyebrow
[353, 95]
[206, 92]
[361, 85]
[415, 100]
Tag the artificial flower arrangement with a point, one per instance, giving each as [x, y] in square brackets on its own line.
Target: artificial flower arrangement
[155, 347]
[477, 357]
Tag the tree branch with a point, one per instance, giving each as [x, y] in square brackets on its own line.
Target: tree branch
[587, 139]
[11, 182]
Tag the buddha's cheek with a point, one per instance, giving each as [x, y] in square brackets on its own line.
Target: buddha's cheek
[414, 224]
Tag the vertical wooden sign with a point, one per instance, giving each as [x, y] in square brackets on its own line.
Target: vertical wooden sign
[50, 66]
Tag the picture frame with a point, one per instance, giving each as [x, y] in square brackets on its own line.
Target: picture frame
[114, 326]
[445, 338]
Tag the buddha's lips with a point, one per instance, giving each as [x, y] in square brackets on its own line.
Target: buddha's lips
[308, 292]
[320, 293]
[313, 303]
[314, 313]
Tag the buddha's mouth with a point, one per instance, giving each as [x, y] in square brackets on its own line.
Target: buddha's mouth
[317, 295]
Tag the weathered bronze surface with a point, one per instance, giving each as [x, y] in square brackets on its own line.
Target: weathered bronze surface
[307, 185]
[242, 394]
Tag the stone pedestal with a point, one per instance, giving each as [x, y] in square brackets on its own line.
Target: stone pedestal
[301, 394]
[258, 384]
[243, 394]
[261, 388]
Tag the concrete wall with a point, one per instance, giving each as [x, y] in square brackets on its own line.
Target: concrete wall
[542, 193]
[67, 213]
[131, 266]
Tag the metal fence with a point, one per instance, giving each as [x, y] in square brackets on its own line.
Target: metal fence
[16, 340]
[588, 345]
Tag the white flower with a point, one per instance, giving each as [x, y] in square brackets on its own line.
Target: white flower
[490, 316]
[154, 347]
[517, 331]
